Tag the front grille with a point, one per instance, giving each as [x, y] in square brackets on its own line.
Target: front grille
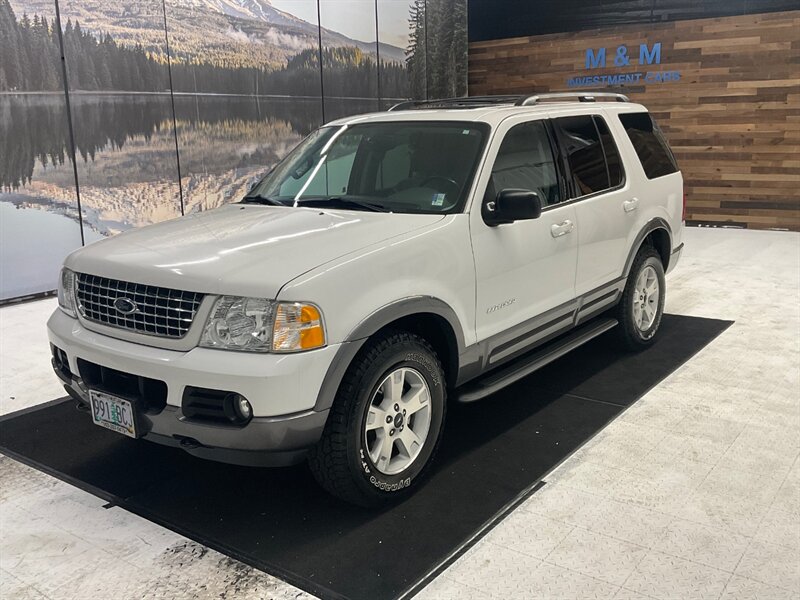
[156, 311]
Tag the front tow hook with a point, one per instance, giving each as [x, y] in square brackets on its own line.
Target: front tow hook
[188, 443]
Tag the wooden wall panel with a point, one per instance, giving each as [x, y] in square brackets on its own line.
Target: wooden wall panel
[733, 119]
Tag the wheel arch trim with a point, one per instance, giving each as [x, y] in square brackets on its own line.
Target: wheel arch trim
[652, 225]
[373, 323]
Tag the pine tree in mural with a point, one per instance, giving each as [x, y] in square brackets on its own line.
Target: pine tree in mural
[437, 52]
[28, 52]
[415, 54]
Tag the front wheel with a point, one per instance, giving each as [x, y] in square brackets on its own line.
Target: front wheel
[640, 310]
[385, 423]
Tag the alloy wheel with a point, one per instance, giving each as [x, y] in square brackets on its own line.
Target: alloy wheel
[398, 419]
[646, 295]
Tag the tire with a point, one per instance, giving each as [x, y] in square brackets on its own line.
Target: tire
[350, 461]
[637, 327]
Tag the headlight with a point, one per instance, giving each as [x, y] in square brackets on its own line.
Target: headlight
[66, 292]
[262, 325]
[237, 323]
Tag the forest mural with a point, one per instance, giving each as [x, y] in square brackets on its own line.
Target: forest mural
[106, 65]
[436, 59]
[175, 106]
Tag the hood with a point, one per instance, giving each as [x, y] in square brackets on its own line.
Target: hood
[246, 250]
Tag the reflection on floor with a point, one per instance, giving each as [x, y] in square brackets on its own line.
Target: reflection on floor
[693, 492]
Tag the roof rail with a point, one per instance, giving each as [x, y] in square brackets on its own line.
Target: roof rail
[462, 102]
[405, 105]
[579, 96]
[516, 100]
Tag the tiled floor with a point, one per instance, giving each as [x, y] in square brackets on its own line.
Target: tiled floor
[694, 492]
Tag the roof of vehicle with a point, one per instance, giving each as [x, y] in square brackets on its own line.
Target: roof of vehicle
[494, 109]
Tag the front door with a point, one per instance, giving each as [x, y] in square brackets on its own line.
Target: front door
[525, 269]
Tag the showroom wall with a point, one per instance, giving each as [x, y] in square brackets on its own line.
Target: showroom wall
[722, 79]
[176, 106]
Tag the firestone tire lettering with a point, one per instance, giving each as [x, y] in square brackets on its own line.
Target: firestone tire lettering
[390, 487]
[422, 359]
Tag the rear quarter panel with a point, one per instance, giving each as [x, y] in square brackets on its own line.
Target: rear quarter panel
[658, 198]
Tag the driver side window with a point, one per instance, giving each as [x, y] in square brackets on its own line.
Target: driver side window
[525, 161]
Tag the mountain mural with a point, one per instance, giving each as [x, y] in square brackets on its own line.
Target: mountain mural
[100, 63]
[230, 33]
[151, 139]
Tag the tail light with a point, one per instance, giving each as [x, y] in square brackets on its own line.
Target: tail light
[683, 218]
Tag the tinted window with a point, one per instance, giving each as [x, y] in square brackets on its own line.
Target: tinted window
[525, 161]
[581, 142]
[650, 144]
[613, 162]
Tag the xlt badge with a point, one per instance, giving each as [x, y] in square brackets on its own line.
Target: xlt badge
[503, 304]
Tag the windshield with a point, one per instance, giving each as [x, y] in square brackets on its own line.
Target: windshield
[400, 166]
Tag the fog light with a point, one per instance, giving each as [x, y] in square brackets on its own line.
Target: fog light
[238, 408]
[245, 409]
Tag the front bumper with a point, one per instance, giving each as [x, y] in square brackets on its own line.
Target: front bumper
[282, 390]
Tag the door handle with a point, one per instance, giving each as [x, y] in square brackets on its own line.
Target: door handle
[563, 228]
[630, 205]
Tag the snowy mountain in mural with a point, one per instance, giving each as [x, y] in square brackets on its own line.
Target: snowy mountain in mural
[224, 32]
[244, 9]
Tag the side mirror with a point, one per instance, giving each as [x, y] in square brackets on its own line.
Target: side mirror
[512, 205]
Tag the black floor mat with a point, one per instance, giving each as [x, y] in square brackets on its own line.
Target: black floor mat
[494, 453]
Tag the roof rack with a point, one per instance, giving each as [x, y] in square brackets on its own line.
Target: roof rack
[525, 100]
[579, 96]
[463, 102]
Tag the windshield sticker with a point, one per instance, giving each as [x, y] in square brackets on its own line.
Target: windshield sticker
[438, 199]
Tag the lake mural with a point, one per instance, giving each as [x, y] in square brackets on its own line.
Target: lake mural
[177, 106]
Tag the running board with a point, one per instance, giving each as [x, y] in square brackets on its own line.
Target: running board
[523, 367]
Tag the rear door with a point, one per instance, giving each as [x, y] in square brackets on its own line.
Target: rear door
[604, 205]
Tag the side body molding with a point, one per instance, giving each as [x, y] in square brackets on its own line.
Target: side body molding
[373, 323]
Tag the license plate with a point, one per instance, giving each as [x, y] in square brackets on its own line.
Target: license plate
[113, 413]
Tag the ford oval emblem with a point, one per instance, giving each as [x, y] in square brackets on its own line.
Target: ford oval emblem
[125, 306]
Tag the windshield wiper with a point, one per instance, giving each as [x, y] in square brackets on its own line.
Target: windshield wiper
[257, 199]
[346, 201]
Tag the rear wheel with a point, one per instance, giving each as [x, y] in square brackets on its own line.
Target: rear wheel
[385, 423]
[640, 310]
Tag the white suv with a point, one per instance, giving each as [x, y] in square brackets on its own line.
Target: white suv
[392, 261]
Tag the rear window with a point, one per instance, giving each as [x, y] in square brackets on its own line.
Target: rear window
[615, 174]
[581, 141]
[650, 144]
[591, 153]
